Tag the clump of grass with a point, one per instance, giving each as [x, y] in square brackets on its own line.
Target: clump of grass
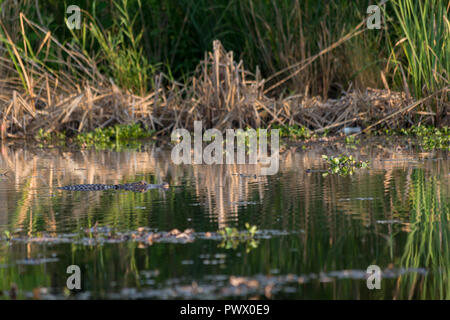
[423, 33]
[232, 237]
[121, 49]
[343, 165]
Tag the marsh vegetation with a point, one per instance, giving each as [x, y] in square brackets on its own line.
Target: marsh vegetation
[364, 171]
[228, 63]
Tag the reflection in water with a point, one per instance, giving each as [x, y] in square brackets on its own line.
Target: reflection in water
[316, 235]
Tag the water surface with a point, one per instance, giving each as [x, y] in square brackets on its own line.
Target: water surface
[316, 235]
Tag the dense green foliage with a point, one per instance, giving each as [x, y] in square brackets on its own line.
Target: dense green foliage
[425, 28]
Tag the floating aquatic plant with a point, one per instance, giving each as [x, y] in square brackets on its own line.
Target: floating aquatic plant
[429, 138]
[343, 165]
[112, 136]
[232, 237]
[7, 235]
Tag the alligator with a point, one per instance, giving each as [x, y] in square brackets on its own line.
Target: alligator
[140, 186]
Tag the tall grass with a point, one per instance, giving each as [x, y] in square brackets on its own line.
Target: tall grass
[130, 37]
[425, 28]
[280, 34]
[121, 49]
[421, 54]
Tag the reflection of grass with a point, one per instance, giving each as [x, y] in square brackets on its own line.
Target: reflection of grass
[22, 278]
[332, 239]
[427, 245]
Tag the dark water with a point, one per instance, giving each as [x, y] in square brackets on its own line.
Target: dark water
[316, 235]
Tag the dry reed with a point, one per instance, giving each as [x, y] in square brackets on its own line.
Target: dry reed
[221, 93]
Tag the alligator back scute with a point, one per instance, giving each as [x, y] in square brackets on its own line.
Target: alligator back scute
[87, 187]
[135, 187]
